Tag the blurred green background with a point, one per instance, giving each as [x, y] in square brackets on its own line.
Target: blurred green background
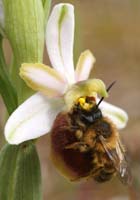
[111, 30]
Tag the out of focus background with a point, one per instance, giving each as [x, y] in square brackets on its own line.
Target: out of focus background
[111, 30]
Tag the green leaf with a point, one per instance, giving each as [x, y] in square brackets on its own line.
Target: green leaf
[6, 88]
[20, 177]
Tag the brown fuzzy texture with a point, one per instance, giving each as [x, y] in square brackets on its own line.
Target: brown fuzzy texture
[77, 151]
[70, 162]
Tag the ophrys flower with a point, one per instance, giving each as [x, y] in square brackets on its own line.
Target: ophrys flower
[57, 87]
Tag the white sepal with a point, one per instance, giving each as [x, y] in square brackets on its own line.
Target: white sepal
[118, 116]
[32, 119]
[59, 39]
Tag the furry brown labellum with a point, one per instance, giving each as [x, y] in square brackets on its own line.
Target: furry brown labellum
[71, 162]
[78, 154]
[85, 144]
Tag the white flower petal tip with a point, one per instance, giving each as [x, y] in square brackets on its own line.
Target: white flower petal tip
[32, 119]
[59, 39]
[118, 116]
[43, 78]
[84, 65]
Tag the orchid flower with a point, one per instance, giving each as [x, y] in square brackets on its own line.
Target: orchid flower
[57, 87]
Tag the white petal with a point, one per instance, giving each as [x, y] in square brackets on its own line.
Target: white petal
[84, 66]
[118, 116]
[59, 39]
[43, 78]
[32, 119]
